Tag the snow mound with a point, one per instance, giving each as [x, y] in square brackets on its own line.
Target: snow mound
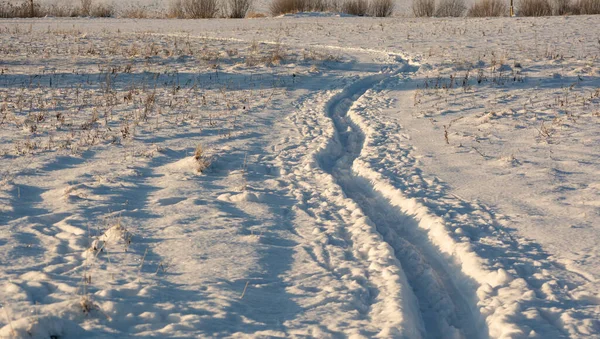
[114, 235]
[185, 165]
[244, 196]
[42, 327]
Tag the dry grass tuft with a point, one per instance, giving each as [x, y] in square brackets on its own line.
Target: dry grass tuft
[202, 160]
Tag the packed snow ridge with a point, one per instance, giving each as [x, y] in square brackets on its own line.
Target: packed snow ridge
[300, 176]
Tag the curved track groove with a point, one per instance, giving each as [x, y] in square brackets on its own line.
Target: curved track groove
[444, 310]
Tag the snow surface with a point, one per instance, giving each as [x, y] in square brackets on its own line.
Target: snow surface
[357, 177]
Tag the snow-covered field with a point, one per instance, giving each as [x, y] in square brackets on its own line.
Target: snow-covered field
[300, 177]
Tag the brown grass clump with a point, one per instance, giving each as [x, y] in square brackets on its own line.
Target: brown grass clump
[202, 160]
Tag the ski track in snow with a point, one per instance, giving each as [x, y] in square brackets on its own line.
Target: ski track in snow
[449, 281]
[443, 310]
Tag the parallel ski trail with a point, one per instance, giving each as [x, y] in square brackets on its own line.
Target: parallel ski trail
[444, 310]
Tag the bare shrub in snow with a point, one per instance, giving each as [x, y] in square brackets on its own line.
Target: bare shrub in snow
[335, 5]
[23, 10]
[202, 160]
[451, 8]
[86, 7]
[486, 8]
[137, 12]
[176, 9]
[534, 8]
[7, 10]
[355, 7]
[255, 15]
[30, 9]
[423, 7]
[562, 7]
[279, 7]
[200, 9]
[276, 57]
[238, 8]
[587, 7]
[381, 8]
[102, 11]
[317, 5]
[55, 10]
